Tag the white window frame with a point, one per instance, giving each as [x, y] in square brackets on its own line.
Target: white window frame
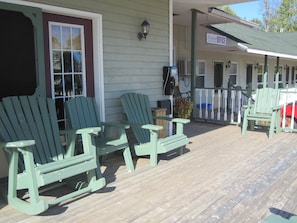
[64, 95]
[201, 74]
[260, 72]
[236, 72]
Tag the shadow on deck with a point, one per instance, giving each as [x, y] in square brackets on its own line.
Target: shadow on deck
[222, 177]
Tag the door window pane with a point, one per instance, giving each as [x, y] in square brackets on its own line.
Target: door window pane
[67, 61]
[57, 65]
[76, 39]
[66, 38]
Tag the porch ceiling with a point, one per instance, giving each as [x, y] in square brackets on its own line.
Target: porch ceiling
[182, 11]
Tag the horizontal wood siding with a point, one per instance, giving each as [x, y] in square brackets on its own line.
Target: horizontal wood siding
[129, 64]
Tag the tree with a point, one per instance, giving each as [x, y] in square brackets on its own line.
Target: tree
[269, 16]
[227, 9]
[286, 16]
[279, 16]
[257, 21]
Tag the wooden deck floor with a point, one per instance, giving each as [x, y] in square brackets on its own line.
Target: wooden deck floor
[222, 177]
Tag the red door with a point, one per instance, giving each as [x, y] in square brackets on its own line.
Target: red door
[69, 59]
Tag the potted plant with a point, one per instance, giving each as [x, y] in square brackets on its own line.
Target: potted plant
[183, 107]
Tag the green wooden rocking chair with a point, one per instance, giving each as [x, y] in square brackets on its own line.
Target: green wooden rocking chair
[29, 134]
[278, 219]
[82, 112]
[139, 115]
[265, 108]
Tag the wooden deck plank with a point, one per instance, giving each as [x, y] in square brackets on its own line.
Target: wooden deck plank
[222, 177]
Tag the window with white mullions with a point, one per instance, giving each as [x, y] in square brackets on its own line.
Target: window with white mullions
[233, 74]
[260, 72]
[201, 73]
[67, 64]
[67, 60]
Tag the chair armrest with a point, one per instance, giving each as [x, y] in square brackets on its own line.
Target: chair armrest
[277, 107]
[17, 144]
[147, 126]
[94, 130]
[86, 134]
[90, 130]
[152, 127]
[181, 120]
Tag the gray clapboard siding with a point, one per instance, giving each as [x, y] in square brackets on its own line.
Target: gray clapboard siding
[129, 64]
[138, 63]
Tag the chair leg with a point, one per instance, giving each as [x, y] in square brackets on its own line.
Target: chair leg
[154, 160]
[244, 126]
[128, 159]
[180, 150]
[153, 146]
[95, 179]
[278, 123]
[35, 205]
[278, 219]
[272, 127]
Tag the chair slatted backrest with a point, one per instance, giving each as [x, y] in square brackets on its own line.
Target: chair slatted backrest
[266, 99]
[138, 110]
[31, 117]
[84, 113]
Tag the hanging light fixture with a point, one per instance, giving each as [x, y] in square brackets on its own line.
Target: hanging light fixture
[145, 26]
[257, 66]
[228, 64]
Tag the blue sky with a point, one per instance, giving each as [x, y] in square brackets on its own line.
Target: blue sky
[249, 10]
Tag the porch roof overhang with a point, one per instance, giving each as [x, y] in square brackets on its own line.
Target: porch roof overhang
[265, 52]
[255, 41]
[206, 12]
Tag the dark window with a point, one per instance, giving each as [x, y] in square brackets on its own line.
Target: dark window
[18, 68]
[293, 75]
[200, 82]
[249, 74]
[218, 75]
[287, 74]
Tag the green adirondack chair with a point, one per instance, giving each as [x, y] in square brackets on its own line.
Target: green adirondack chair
[139, 115]
[279, 219]
[29, 134]
[82, 112]
[265, 108]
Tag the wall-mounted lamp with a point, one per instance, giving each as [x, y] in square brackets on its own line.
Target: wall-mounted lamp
[257, 66]
[228, 64]
[285, 67]
[145, 26]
